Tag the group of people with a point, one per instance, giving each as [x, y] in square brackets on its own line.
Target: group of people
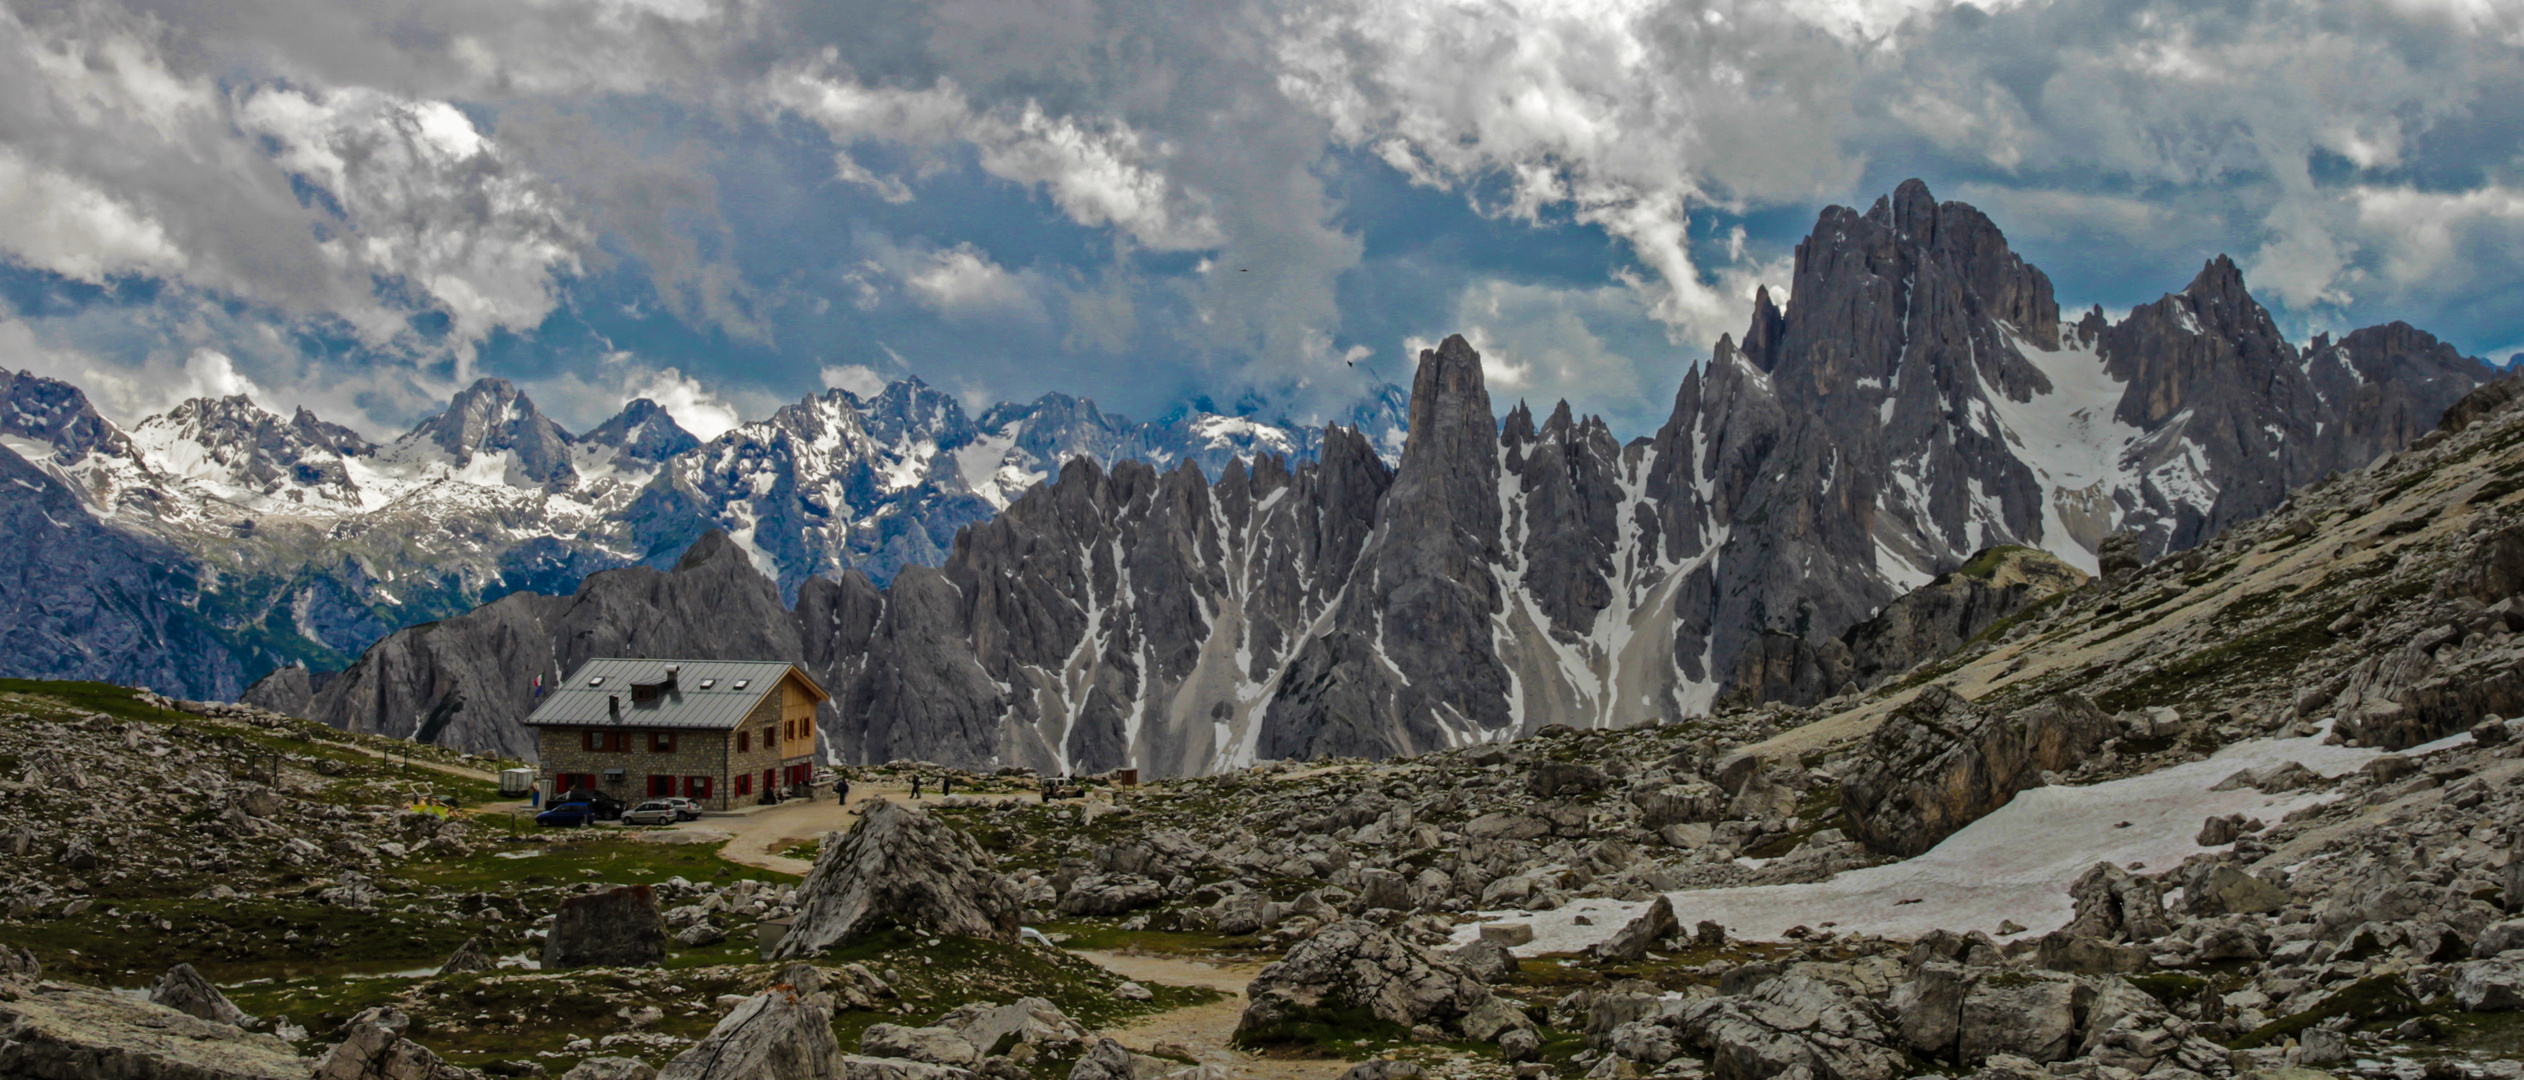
[841, 787]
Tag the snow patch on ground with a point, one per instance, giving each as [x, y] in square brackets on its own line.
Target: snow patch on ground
[2015, 864]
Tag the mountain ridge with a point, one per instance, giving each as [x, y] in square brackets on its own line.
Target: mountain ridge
[1892, 420]
[303, 542]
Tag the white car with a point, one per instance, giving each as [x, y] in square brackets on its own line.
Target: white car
[653, 812]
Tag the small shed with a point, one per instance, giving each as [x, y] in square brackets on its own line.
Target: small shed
[517, 782]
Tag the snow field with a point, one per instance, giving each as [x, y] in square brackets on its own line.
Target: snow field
[2015, 863]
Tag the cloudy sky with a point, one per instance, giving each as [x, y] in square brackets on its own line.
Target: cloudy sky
[1257, 204]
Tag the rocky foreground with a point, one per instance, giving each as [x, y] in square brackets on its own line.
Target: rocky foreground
[2254, 809]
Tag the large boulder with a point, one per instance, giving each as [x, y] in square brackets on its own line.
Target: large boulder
[1355, 967]
[935, 1045]
[373, 1048]
[1929, 1008]
[618, 927]
[184, 990]
[468, 957]
[1939, 763]
[1633, 941]
[60, 1032]
[899, 867]
[2113, 904]
[2490, 985]
[2030, 1016]
[1114, 894]
[994, 1029]
[1786, 1025]
[774, 1035]
[611, 1068]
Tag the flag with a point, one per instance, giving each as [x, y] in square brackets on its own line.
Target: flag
[538, 686]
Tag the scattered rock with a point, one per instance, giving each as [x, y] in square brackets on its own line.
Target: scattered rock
[373, 1048]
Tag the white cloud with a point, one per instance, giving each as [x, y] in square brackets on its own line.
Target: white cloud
[1099, 171]
[1630, 115]
[55, 222]
[695, 407]
[859, 379]
[426, 198]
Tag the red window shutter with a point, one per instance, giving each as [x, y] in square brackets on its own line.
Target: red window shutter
[744, 741]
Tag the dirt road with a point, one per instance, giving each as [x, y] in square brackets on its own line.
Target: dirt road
[1204, 1029]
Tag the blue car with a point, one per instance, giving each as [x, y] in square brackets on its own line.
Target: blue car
[576, 813]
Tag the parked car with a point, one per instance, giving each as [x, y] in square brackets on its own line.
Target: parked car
[653, 812]
[685, 808]
[574, 813]
[605, 807]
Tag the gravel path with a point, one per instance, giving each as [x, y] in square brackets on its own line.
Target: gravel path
[1204, 1029]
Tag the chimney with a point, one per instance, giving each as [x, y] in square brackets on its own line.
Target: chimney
[671, 670]
[613, 707]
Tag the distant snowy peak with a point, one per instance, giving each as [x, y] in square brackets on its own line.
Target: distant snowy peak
[491, 434]
[642, 432]
[56, 415]
[236, 450]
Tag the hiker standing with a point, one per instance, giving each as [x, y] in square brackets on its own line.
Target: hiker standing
[841, 790]
[915, 786]
[946, 786]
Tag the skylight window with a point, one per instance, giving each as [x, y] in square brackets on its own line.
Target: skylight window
[596, 681]
[740, 684]
[708, 683]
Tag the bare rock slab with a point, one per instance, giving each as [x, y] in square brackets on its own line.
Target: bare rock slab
[61, 1032]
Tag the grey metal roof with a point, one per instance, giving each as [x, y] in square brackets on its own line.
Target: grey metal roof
[580, 700]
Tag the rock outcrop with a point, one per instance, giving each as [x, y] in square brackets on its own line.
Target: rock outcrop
[1920, 625]
[898, 867]
[1939, 763]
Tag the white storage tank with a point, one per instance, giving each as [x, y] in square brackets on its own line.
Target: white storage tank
[517, 782]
